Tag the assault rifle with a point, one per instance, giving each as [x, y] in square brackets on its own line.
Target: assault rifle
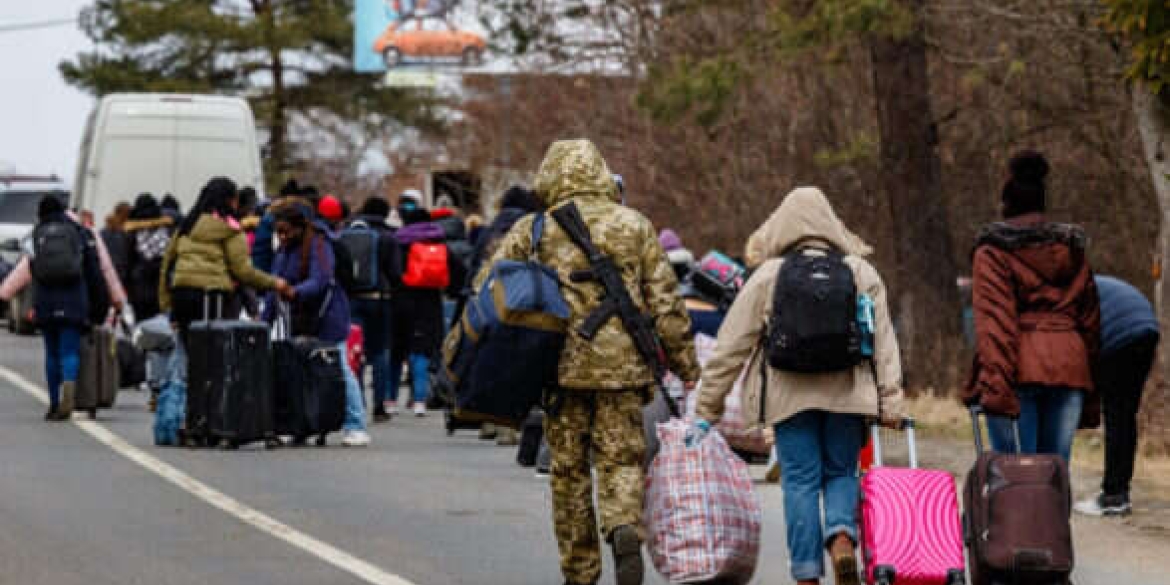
[617, 301]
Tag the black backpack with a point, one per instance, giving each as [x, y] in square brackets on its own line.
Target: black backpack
[58, 252]
[360, 241]
[343, 266]
[814, 327]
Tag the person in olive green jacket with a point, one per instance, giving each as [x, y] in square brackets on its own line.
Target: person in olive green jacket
[604, 382]
[207, 258]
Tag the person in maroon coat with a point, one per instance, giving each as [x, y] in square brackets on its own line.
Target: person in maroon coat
[1037, 319]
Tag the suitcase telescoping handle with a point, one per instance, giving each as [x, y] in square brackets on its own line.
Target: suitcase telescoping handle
[977, 429]
[876, 436]
[282, 325]
[207, 305]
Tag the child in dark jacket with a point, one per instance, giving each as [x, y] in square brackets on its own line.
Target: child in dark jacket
[320, 308]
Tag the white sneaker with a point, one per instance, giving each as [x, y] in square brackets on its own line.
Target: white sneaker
[355, 439]
[391, 407]
[1103, 505]
[420, 409]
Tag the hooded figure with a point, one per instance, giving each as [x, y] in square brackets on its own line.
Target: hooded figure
[819, 419]
[805, 218]
[603, 380]
[1037, 319]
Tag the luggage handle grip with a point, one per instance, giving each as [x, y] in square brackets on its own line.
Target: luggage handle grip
[977, 429]
[907, 424]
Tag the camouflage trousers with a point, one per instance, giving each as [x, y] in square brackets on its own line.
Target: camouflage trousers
[608, 426]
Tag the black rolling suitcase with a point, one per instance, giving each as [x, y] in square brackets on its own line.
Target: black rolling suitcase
[531, 435]
[229, 386]
[309, 396]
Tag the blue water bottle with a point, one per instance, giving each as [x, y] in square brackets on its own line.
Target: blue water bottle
[865, 317]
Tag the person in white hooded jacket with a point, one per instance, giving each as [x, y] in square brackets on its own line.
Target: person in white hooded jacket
[819, 419]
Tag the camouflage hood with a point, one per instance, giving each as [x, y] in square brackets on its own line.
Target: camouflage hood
[573, 168]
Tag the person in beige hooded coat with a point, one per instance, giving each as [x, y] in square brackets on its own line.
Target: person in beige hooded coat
[819, 419]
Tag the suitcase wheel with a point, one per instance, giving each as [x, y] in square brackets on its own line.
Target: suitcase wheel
[956, 577]
[93, 414]
[883, 575]
[231, 445]
[272, 443]
[298, 441]
[322, 440]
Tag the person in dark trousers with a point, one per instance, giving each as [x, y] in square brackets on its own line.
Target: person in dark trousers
[68, 279]
[371, 309]
[117, 241]
[1129, 343]
[1037, 320]
[319, 306]
[417, 314]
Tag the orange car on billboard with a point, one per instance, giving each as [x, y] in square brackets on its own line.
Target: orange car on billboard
[431, 38]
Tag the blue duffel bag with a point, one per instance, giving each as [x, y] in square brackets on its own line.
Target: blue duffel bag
[507, 345]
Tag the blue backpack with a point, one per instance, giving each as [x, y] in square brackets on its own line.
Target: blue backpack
[506, 348]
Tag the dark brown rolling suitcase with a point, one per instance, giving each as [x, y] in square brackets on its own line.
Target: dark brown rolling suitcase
[97, 377]
[1016, 516]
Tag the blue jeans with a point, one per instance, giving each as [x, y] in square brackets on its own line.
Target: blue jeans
[62, 358]
[355, 411]
[420, 374]
[373, 316]
[818, 453]
[1048, 421]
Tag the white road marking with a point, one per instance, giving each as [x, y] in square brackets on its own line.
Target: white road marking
[261, 521]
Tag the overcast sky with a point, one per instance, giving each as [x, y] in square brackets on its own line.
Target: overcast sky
[41, 118]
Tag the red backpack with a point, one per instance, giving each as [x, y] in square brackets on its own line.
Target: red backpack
[426, 266]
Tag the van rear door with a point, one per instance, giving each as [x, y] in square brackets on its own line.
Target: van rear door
[136, 153]
[213, 139]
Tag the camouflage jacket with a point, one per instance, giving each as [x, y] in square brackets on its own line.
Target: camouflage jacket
[574, 171]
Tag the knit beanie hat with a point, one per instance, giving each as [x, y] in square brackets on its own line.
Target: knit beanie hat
[1025, 191]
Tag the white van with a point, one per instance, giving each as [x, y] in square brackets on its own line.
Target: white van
[164, 143]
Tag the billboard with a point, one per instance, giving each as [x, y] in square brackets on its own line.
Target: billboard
[390, 35]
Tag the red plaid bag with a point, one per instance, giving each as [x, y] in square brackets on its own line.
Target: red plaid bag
[702, 513]
[732, 425]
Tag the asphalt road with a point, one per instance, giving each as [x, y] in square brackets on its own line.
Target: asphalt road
[432, 509]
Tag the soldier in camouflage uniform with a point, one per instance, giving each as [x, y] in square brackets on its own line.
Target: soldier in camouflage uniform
[604, 382]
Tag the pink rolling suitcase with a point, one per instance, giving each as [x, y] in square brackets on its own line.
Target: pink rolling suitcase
[911, 532]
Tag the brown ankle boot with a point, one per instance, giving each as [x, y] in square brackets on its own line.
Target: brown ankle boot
[844, 561]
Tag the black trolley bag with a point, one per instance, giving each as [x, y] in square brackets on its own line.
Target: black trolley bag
[1016, 510]
[229, 387]
[309, 391]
